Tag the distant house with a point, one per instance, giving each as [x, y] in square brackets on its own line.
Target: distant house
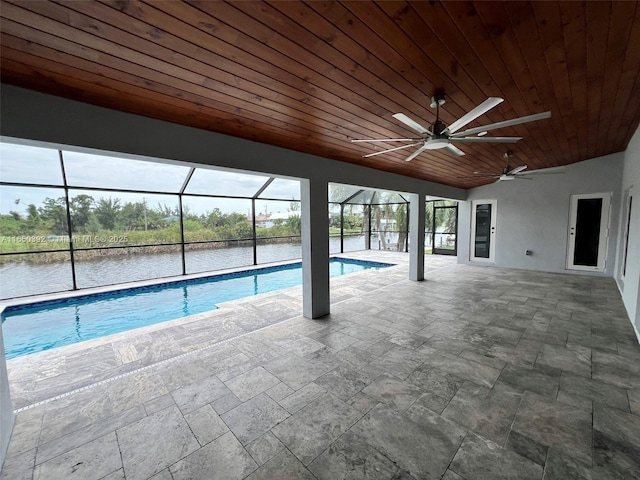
[268, 220]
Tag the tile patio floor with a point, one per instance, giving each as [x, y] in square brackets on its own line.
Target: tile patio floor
[475, 373]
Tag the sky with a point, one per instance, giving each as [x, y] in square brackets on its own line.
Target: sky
[38, 165]
[35, 165]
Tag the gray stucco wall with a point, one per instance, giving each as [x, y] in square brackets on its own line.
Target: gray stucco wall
[534, 215]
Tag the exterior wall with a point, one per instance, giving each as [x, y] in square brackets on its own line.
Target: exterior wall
[630, 284]
[534, 215]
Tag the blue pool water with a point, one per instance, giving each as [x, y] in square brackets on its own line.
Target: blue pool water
[40, 326]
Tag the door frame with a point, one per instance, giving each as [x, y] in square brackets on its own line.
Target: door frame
[627, 209]
[493, 227]
[603, 241]
[443, 251]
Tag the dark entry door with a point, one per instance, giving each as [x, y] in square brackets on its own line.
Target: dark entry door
[444, 239]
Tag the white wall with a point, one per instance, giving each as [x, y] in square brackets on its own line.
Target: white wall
[534, 214]
[630, 284]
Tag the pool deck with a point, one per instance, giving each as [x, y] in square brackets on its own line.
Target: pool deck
[497, 373]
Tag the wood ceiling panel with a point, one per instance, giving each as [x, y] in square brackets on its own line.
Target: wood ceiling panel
[311, 76]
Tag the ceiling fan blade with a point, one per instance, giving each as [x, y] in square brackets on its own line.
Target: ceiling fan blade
[416, 153]
[411, 123]
[481, 109]
[392, 150]
[506, 123]
[386, 140]
[485, 139]
[455, 150]
[481, 175]
[517, 170]
[545, 171]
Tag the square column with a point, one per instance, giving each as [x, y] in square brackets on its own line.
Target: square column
[315, 247]
[416, 236]
[6, 408]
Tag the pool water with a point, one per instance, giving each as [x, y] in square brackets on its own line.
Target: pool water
[44, 325]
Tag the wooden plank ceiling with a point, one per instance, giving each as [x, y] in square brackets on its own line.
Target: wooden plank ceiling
[311, 76]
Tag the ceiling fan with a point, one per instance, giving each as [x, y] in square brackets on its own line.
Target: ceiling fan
[441, 136]
[509, 173]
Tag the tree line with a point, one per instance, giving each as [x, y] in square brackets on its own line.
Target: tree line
[89, 215]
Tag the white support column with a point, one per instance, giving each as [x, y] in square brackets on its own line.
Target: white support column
[416, 236]
[315, 248]
[6, 409]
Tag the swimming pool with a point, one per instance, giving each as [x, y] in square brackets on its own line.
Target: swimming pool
[44, 325]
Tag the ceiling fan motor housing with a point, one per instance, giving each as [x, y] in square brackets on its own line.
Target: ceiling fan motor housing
[438, 127]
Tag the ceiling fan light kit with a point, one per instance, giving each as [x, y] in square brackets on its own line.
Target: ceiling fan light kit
[440, 136]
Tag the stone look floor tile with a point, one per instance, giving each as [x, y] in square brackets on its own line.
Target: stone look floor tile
[183, 373]
[616, 440]
[163, 475]
[205, 424]
[61, 445]
[562, 467]
[158, 403]
[396, 393]
[634, 401]
[398, 361]
[616, 370]
[468, 369]
[64, 415]
[279, 391]
[283, 466]
[226, 403]
[26, 431]
[405, 442]
[172, 440]
[253, 418]
[19, 467]
[352, 457]
[595, 390]
[522, 379]
[302, 397]
[198, 394]
[223, 458]
[343, 383]
[523, 355]
[251, 383]
[480, 459]
[555, 424]
[577, 362]
[117, 475]
[294, 371]
[451, 475]
[312, 429]
[438, 387]
[488, 413]
[563, 344]
[527, 447]
[264, 448]
[93, 460]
